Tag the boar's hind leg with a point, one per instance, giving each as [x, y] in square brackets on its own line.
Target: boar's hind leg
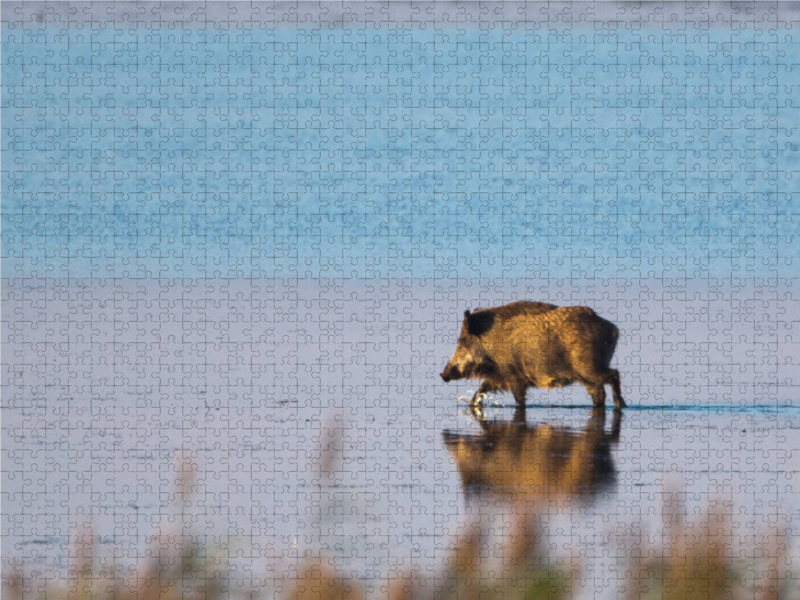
[598, 394]
[613, 379]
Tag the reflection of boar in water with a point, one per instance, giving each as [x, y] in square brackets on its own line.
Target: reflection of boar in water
[547, 460]
[533, 344]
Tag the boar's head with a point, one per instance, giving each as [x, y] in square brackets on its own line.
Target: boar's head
[471, 358]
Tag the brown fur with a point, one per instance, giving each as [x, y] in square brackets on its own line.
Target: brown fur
[533, 344]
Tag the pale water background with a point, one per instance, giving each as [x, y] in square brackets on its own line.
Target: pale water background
[225, 238]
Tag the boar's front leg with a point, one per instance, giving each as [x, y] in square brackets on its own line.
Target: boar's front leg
[519, 390]
[485, 388]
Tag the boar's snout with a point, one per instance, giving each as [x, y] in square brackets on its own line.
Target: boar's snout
[449, 373]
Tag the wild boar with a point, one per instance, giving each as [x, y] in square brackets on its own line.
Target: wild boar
[533, 344]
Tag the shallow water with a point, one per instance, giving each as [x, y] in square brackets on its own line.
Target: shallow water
[272, 435]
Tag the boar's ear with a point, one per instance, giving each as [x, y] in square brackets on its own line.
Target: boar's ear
[478, 323]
